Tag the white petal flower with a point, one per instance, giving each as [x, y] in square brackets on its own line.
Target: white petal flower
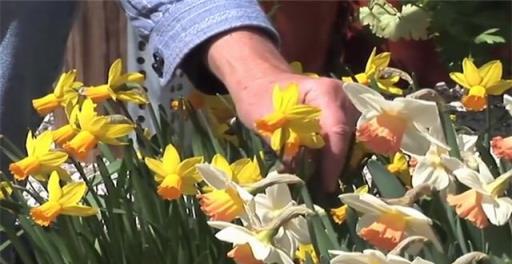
[388, 126]
[384, 225]
[259, 243]
[371, 256]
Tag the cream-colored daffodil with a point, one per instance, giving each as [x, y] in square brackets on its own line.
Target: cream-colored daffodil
[66, 90]
[292, 124]
[250, 247]
[41, 159]
[371, 256]
[384, 225]
[385, 126]
[374, 66]
[227, 200]
[480, 82]
[485, 201]
[243, 171]
[95, 128]
[175, 177]
[123, 87]
[61, 201]
[435, 168]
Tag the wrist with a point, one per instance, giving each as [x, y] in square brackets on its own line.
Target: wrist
[244, 55]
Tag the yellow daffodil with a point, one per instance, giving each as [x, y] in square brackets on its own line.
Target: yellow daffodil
[304, 251]
[243, 171]
[61, 201]
[374, 66]
[339, 215]
[118, 86]
[66, 132]
[385, 127]
[5, 189]
[502, 147]
[485, 201]
[480, 82]
[291, 124]
[400, 168]
[383, 225]
[175, 177]
[66, 90]
[93, 129]
[40, 159]
[298, 69]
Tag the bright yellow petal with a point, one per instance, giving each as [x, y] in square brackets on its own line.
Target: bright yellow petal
[131, 77]
[246, 172]
[303, 111]
[156, 167]
[459, 78]
[171, 158]
[278, 139]
[369, 63]
[284, 99]
[471, 73]
[490, 72]
[347, 79]
[115, 71]
[65, 82]
[313, 140]
[78, 210]
[187, 168]
[500, 87]
[53, 159]
[98, 93]
[54, 190]
[381, 61]
[114, 131]
[46, 104]
[43, 143]
[87, 113]
[72, 193]
[305, 126]
[132, 96]
[222, 164]
[30, 144]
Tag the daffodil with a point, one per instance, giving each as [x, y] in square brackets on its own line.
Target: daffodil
[400, 167]
[68, 131]
[66, 90]
[61, 201]
[435, 168]
[292, 124]
[270, 205]
[339, 215]
[480, 82]
[502, 147]
[385, 127]
[507, 102]
[384, 225]
[485, 201]
[227, 200]
[243, 171]
[95, 128]
[5, 189]
[41, 158]
[371, 256]
[297, 68]
[175, 177]
[119, 86]
[374, 66]
[250, 247]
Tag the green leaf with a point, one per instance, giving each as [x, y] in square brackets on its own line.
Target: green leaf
[388, 184]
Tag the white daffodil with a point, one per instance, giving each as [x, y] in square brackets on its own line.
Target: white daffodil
[435, 168]
[227, 200]
[384, 225]
[249, 246]
[507, 102]
[484, 201]
[269, 205]
[371, 256]
[385, 126]
[467, 149]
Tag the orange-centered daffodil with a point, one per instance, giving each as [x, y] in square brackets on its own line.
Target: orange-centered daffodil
[243, 171]
[66, 90]
[480, 82]
[291, 124]
[93, 129]
[40, 159]
[61, 201]
[123, 87]
[175, 177]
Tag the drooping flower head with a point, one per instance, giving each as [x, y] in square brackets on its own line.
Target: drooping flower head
[292, 124]
[66, 90]
[40, 159]
[385, 127]
[95, 128]
[123, 87]
[61, 201]
[484, 202]
[383, 225]
[175, 177]
[480, 82]
[374, 66]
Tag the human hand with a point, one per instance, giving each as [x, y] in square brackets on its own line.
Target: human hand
[250, 66]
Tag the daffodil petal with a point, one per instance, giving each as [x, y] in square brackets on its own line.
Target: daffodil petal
[53, 159]
[471, 73]
[491, 73]
[459, 78]
[213, 176]
[497, 210]
[54, 190]
[78, 210]
[72, 193]
[156, 166]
